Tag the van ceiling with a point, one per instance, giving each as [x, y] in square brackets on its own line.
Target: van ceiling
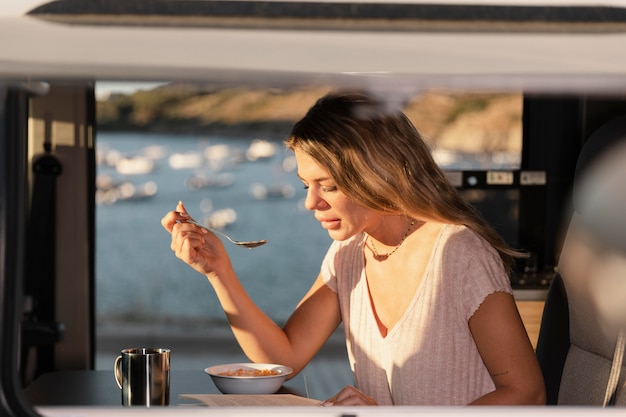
[433, 11]
[546, 49]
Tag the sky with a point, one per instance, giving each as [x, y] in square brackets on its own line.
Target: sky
[106, 88]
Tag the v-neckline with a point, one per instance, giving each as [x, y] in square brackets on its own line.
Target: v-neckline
[372, 308]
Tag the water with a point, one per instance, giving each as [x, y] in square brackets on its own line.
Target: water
[138, 277]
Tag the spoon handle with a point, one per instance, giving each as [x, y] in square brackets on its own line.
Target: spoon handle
[250, 245]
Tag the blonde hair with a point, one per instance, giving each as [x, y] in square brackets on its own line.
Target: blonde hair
[379, 160]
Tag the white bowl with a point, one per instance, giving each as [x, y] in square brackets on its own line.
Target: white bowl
[248, 384]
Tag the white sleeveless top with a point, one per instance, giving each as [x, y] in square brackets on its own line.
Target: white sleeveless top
[429, 357]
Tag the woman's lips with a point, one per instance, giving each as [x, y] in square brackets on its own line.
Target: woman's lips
[329, 223]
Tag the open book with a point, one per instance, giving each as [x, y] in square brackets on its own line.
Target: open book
[234, 400]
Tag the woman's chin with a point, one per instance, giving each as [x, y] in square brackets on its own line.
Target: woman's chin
[339, 235]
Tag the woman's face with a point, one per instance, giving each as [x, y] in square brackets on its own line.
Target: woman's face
[340, 216]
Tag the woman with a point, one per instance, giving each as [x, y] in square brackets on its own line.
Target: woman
[417, 277]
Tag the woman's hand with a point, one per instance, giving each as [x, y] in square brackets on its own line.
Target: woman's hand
[349, 396]
[197, 247]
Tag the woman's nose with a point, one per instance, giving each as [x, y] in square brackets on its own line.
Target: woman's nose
[313, 201]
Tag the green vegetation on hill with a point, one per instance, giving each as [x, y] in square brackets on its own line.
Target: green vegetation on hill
[185, 109]
[467, 122]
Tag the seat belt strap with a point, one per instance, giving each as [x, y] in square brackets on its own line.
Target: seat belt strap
[616, 367]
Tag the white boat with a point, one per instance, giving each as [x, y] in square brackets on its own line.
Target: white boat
[220, 219]
[222, 156]
[154, 152]
[260, 149]
[186, 160]
[444, 157]
[110, 192]
[201, 181]
[289, 164]
[261, 191]
[217, 152]
[134, 165]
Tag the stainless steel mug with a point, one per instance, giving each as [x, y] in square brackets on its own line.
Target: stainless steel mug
[143, 375]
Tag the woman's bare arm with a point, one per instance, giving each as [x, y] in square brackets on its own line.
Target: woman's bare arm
[262, 340]
[507, 352]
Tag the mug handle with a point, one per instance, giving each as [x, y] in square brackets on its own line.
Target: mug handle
[118, 372]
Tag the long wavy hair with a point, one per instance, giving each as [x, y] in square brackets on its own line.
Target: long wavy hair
[379, 160]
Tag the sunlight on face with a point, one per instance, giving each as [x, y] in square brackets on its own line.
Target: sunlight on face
[339, 215]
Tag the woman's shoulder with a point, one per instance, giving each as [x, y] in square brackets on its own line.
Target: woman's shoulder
[473, 265]
[460, 240]
[459, 234]
[343, 258]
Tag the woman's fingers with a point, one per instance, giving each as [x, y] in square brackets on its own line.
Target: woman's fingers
[185, 233]
[192, 248]
[194, 245]
[173, 217]
[349, 396]
[169, 220]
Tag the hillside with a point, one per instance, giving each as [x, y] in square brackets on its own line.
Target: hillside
[465, 122]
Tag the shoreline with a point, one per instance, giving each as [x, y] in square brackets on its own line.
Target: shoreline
[274, 131]
[191, 337]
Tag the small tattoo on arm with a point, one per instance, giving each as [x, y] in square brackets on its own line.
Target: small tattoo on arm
[499, 374]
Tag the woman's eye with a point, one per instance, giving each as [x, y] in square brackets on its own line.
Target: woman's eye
[328, 189]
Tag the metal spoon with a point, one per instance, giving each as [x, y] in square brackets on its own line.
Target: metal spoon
[249, 245]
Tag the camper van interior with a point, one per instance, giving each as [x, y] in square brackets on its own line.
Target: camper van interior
[85, 266]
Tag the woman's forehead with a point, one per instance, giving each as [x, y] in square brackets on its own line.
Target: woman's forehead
[309, 169]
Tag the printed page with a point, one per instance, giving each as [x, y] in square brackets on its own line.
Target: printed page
[233, 400]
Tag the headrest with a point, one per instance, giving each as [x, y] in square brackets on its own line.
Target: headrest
[600, 183]
[602, 140]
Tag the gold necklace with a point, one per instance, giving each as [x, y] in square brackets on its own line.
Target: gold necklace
[383, 256]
